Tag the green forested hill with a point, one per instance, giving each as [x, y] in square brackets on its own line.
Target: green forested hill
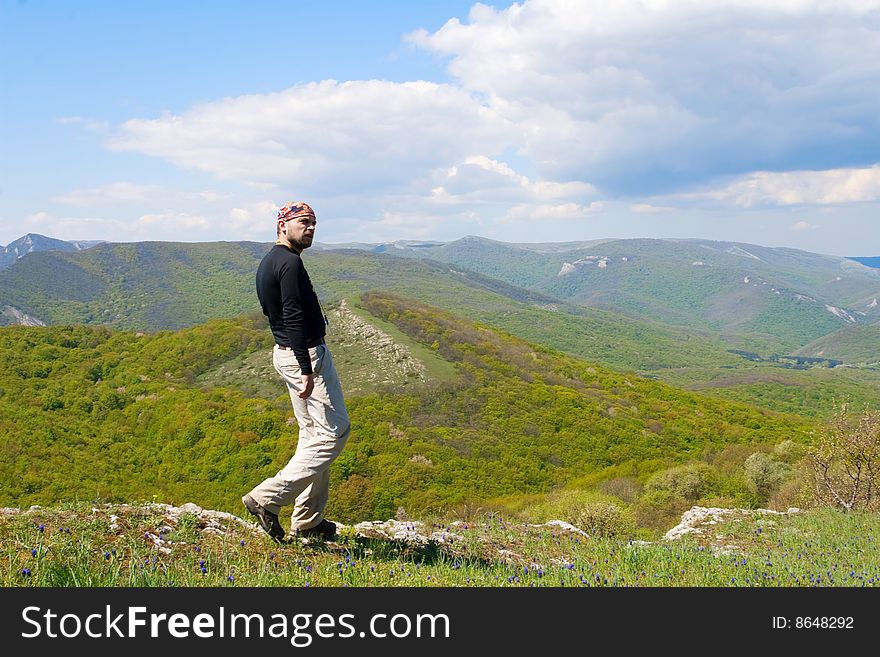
[139, 286]
[756, 298]
[94, 413]
[765, 299]
[156, 285]
[814, 392]
[856, 345]
[149, 286]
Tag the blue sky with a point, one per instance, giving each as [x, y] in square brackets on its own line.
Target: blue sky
[545, 120]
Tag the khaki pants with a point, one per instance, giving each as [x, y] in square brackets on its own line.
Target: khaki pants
[323, 431]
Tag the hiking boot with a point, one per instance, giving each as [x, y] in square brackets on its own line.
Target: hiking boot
[268, 520]
[324, 529]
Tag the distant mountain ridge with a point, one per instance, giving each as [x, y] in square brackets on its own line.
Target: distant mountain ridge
[759, 299]
[32, 242]
[782, 297]
[168, 285]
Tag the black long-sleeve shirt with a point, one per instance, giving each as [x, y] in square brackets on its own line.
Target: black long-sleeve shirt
[289, 301]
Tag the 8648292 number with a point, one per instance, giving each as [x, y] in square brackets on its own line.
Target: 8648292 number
[824, 622]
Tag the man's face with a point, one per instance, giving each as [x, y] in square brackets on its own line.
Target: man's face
[300, 231]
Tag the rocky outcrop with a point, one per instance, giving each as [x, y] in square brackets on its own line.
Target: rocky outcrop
[393, 361]
[187, 523]
[10, 315]
[707, 521]
[699, 519]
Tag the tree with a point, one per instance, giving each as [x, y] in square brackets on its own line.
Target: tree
[763, 474]
[845, 461]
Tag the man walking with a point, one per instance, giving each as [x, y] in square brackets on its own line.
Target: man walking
[303, 361]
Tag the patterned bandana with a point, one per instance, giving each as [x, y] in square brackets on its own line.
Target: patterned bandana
[295, 209]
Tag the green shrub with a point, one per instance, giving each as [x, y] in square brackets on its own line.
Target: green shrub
[658, 510]
[763, 474]
[625, 488]
[735, 492]
[795, 490]
[688, 482]
[728, 460]
[605, 519]
[789, 451]
[596, 514]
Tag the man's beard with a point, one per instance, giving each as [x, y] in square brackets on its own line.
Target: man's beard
[302, 244]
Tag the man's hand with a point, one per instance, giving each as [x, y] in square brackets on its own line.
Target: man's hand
[308, 384]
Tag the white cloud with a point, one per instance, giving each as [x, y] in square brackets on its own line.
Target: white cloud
[327, 136]
[836, 186]
[479, 179]
[635, 97]
[77, 228]
[640, 93]
[181, 216]
[414, 224]
[647, 208]
[803, 225]
[115, 194]
[174, 220]
[254, 220]
[157, 212]
[406, 222]
[108, 195]
[567, 211]
[37, 218]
